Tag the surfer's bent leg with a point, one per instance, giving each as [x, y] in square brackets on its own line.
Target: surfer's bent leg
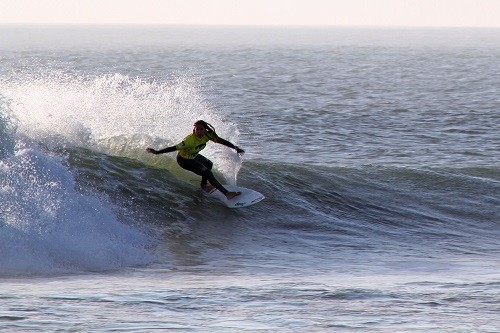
[207, 164]
[202, 170]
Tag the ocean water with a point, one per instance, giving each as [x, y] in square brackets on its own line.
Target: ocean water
[377, 150]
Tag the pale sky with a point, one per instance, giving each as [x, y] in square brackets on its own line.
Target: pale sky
[471, 13]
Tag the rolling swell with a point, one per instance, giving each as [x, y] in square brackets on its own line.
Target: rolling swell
[309, 209]
[369, 208]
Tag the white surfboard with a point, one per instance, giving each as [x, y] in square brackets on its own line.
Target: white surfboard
[247, 197]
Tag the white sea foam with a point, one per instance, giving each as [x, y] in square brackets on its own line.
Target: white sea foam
[48, 225]
[116, 114]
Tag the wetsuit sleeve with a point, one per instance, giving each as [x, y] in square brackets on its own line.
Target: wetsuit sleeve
[167, 150]
[225, 143]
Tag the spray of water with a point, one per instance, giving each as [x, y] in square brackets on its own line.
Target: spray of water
[116, 114]
[48, 223]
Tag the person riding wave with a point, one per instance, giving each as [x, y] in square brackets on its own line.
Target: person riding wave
[189, 156]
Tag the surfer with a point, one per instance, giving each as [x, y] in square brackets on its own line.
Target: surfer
[189, 158]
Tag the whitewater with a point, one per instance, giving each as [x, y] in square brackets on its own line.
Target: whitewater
[377, 151]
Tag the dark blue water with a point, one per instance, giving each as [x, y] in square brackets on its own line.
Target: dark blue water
[377, 152]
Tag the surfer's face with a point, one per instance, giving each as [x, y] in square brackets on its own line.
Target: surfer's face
[199, 130]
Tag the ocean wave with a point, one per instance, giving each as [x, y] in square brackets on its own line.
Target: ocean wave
[79, 190]
[352, 205]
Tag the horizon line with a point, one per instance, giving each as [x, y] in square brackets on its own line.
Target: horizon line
[241, 25]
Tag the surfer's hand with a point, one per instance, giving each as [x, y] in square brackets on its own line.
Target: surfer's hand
[152, 151]
[240, 151]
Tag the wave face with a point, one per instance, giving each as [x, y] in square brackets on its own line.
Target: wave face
[79, 193]
[345, 216]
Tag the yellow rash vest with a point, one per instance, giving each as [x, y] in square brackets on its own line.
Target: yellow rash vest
[191, 145]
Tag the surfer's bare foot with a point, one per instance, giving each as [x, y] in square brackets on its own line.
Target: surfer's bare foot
[207, 187]
[230, 195]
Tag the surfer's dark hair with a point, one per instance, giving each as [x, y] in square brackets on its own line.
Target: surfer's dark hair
[208, 127]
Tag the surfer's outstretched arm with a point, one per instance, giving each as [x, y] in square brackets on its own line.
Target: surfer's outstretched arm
[230, 145]
[165, 150]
